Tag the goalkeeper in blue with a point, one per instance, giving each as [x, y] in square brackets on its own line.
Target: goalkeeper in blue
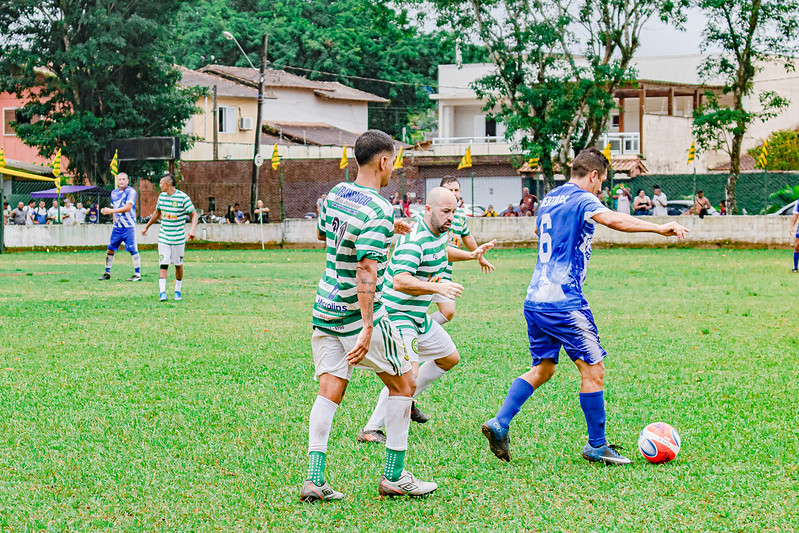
[556, 310]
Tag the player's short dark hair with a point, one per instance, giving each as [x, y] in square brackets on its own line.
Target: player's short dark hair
[170, 177]
[372, 143]
[700, 191]
[589, 160]
[448, 179]
[656, 186]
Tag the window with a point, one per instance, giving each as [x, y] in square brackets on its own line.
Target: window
[491, 127]
[211, 204]
[9, 116]
[227, 119]
[614, 120]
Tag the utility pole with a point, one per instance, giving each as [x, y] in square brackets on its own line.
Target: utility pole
[257, 159]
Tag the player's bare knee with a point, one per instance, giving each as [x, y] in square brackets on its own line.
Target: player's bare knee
[404, 385]
[449, 314]
[446, 363]
[593, 374]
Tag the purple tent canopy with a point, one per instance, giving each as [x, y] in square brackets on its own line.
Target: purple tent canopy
[71, 189]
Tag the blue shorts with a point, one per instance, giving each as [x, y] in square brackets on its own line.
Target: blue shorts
[126, 235]
[574, 330]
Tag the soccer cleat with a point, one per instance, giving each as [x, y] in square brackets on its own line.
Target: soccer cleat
[135, 277]
[371, 435]
[311, 492]
[498, 439]
[605, 454]
[162, 297]
[418, 416]
[105, 276]
[406, 485]
[794, 271]
[178, 296]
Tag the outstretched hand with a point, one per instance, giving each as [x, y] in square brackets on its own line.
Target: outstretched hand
[482, 249]
[401, 227]
[672, 229]
[485, 265]
[450, 290]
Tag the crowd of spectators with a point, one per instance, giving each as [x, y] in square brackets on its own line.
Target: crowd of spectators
[35, 214]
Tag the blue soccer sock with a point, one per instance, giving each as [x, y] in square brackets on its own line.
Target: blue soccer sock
[518, 393]
[593, 404]
[795, 260]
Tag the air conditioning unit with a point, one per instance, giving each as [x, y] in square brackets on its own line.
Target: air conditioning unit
[245, 123]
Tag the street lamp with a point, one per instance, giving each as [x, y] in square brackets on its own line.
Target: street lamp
[257, 160]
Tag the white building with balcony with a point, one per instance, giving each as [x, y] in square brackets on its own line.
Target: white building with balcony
[652, 119]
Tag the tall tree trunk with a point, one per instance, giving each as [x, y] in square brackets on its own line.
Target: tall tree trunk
[735, 172]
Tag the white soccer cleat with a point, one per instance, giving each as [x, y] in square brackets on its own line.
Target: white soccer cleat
[312, 492]
[406, 485]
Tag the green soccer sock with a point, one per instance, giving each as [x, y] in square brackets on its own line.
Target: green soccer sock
[395, 462]
[316, 468]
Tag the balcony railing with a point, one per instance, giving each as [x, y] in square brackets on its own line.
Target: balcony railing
[621, 143]
[468, 140]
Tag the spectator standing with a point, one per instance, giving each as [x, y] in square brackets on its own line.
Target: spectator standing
[642, 204]
[406, 206]
[39, 215]
[68, 213]
[28, 211]
[490, 211]
[80, 213]
[230, 216]
[701, 204]
[16, 216]
[623, 198]
[53, 214]
[660, 201]
[261, 212]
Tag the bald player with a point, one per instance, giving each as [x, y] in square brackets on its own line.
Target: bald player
[123, 209]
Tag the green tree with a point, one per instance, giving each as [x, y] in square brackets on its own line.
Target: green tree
[91, 72]
[345, 41]
[749, 34]
[558, 65]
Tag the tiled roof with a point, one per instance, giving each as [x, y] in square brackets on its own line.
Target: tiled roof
[286, 80]
[631, 165]
[224, 87]
[747, 163]
[314, 133]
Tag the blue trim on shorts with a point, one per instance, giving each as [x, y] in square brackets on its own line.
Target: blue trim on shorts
[575, 331]
[126, 235]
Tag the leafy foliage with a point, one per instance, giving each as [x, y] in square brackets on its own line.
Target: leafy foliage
[782, 197]
[91, 72]
[316, 37]
[749, 34]
[558, 65]
[783, 151]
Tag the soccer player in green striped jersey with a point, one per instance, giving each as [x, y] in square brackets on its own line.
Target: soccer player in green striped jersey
[351, 328]
[415, 275]
[458, 234]
[172, 208]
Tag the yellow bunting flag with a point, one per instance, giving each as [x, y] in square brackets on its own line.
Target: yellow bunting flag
[691, 153]
[466, 161]
[2, 157]
[115, 164]
[606, 152]
[398, 160]
[343, 163]
[763, 159]
[57, 170]
[275, 158]
[533, 162]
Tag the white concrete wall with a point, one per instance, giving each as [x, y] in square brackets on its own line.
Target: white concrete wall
[302, 105]
[743, 231]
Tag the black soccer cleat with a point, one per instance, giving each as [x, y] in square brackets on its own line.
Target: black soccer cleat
[498, 439]
[105, 276]
[418, 416]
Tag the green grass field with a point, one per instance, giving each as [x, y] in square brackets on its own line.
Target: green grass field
[120, 413]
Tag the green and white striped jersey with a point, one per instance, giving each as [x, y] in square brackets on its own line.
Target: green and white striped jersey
[457, 231]
[356, 223]
[424, 255]
[173, 217]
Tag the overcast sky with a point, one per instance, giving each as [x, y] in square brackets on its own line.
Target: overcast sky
[658, 39]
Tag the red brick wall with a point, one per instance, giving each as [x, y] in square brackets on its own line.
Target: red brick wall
[228, 182]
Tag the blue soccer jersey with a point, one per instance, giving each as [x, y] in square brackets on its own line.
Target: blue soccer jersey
[565, 230]
[118, 199]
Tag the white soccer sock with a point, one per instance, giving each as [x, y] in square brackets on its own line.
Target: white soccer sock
[428, 373]
[398, 419]
[178, 284]
[319, 424]
[378, 418]
[136, 262]
[439, 317]
[162, 284]
[109, 260]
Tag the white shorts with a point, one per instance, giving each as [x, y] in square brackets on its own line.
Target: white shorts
[439, 299]
[434, 344]
[171, 254]
[386, 352]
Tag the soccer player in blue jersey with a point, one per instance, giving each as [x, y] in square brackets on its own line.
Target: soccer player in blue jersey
[123, 207]
[794, 218]
[556, 310]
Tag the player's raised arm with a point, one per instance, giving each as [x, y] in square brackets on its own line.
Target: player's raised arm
[630, 224]
[405, 282]
[155, 217]
[471, 244]
[794, 217]
[476, 254]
